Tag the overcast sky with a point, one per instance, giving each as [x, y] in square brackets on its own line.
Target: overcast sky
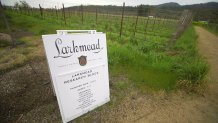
[58, 3]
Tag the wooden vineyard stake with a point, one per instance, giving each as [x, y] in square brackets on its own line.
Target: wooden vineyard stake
[121, 26]
[64, 15]
[136, 22]
[41, 11]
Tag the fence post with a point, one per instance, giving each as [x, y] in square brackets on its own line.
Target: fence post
[96, 16]
[64, 15]
[146, 26]
[17, 10]
[82, 12]
[69, 12]
[154, 23]
[20, 10]
[31, 9]
[56, 11]
[136, 22]
[162, 25]
[122, 20]
[159, 22]
[28, 10]
[41, 12]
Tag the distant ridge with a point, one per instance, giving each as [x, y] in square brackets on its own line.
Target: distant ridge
[169, 5]
[209, 5]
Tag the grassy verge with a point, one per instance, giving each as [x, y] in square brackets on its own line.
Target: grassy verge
[149, 65]
[212, 27]
[190, 66]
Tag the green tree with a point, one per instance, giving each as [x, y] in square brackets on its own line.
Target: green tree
[24, 4]
[16, 5]
[142, 10]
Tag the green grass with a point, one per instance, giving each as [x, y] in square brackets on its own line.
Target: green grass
[121, 85]
[212, 27]
[142, 58]
[150, 65]
[146, 78]
[190, 67]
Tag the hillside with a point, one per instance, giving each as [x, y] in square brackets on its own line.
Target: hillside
[169, 5]
[209, 5]
[204, 12]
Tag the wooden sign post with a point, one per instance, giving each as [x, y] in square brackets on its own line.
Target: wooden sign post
[78, 67]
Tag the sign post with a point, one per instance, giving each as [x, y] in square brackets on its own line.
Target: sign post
[78, 67]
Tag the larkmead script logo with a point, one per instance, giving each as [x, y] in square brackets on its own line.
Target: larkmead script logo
[65, 51]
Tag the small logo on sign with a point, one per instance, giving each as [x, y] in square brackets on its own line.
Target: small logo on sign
[82, 60]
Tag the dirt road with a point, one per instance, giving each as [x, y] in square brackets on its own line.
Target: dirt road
[208, 47]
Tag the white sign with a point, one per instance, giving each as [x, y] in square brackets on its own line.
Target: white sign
[79, 70]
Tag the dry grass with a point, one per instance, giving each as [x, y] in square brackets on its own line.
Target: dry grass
[11, 60]
[30, 49]
[199, 87]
